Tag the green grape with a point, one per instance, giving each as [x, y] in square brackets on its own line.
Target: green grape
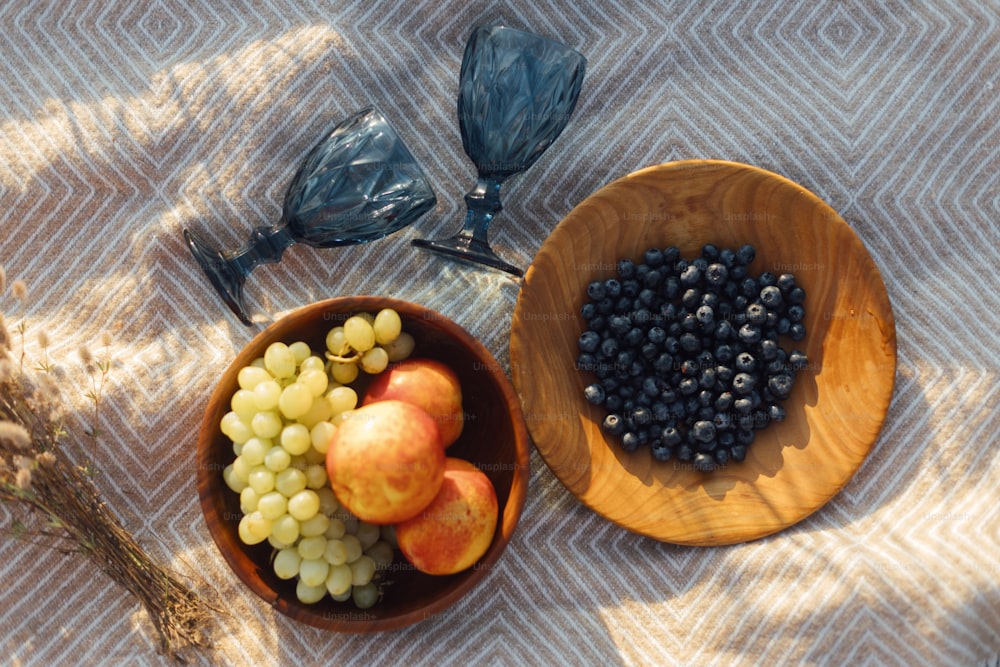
[243, 404]
[290, 481]
[365, 596]
[344, 373]
[285, 529]
[315, 379]
[235, 428]
[272, 504]
[338, 581]
[249, 501]
[304, 504]
[342, 399]
[312, 363]
[266, 424]
[266, 394]
[254, 528]
[328, 503]
[321, 434]
[359, 333]
[353, 546]
[336, 342]
[389, 535]
[279, 360]
[313, 572]
[401, 348]
[316, 476]
[362, 570]
[367, 534]
[374, 361]
[300, 351]
[286, 563]
[316, 525]
[381, 554]
[261, 480]
[309, 594]
[232, 480]
[335, 552]
[277, 458]
[241, 470]
[275, 543]
[295, 400]
[387, 326]
[311, 548]
[249, 377]
[318, 412]
[254, 450]
[313, 457]
[335, 529]
[295, 439]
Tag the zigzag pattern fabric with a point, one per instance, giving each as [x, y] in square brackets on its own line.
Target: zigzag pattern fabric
[121, 123]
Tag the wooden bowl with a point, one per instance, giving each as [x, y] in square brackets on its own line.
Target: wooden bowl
[839, 402]
[495, 439]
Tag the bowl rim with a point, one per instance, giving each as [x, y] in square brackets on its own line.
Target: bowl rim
[235, 554]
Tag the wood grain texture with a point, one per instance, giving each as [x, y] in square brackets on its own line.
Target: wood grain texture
[839, 402]
[494, 438]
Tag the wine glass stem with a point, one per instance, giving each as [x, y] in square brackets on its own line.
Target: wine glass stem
[265, 246]
[483, 203]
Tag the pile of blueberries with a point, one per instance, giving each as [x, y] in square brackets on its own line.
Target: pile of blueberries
[685, 352]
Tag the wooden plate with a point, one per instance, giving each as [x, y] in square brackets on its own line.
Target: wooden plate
[838, 404]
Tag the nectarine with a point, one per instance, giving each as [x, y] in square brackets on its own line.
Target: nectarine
[428, 384]
[386, 461]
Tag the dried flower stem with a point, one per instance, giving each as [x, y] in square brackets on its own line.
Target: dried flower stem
[37, 473]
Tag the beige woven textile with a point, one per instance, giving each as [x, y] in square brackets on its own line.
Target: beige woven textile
[123, 122]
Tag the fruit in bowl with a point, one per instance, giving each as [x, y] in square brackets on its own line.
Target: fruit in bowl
[493, 440]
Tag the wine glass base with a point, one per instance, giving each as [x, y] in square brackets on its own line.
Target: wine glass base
[467, 250]
[227, 283]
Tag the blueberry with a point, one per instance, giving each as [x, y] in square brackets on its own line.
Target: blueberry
[614, 403]
[690, 275]
[705, 315]
[635, 337]
[723, 421]
[723, 401]
[595, 394]
[796, 295]
[631, 441]
[588, 311]
[691, 298]
[795, 313]
[770, 296]
[654, 257]
[613, 288]
[743, 384]
[589, 341]
[613, 424]
[671, 254]
[631, 287]
[660, 451]
[647, 296]
[780, 385]
[746, 254]
[738, 453]
[767, 279]
[690, 343]
[716, 274]
[798, 360]
[750, 333]
[776, 413]
[721, 456]
[704, 462]
[756, 314]
[703, 431]
[745, 362]
[727, 257]
[684, 452]
[786, 281]
[626, 269]
[596, 290]
[724, 353]
[609, 348]
[743, 405]
[652, 279]
[797, 331]
[688, 386]
[586, 362]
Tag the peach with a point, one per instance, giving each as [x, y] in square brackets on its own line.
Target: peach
[428, 384]
[456, 529]
[386, 461]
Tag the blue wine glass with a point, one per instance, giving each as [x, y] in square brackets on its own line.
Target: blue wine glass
[517, 91]
[358, 184]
